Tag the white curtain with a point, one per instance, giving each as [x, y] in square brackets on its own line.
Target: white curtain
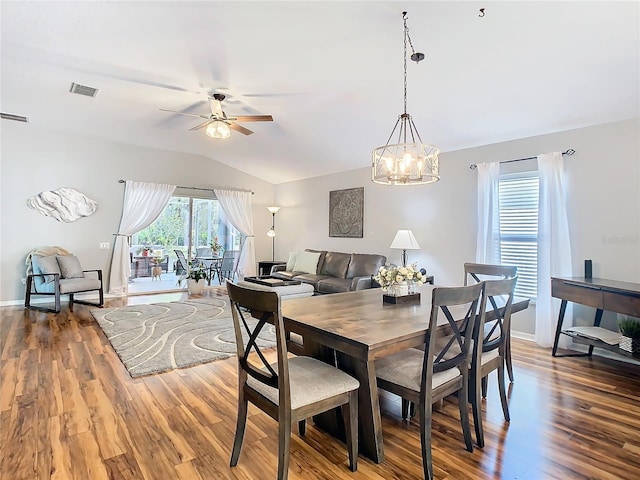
[554, 247]
[488, 240]
[143, 203]
[237, 207]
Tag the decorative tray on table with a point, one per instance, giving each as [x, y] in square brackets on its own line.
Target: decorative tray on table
[269, 281]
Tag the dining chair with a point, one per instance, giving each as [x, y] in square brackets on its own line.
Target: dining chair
[426, 377]
[227, 266]
[290, 390]
[489, 349]
[477, 272]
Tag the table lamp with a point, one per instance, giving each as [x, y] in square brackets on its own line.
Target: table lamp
[404, 240]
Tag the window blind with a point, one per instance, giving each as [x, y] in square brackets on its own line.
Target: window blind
[518, 199]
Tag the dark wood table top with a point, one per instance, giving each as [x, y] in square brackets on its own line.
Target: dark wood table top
[602, 283]
[359, 324]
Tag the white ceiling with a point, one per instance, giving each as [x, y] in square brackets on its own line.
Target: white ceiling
[330, 73]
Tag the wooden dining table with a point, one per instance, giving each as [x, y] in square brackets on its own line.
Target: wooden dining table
[355, 328]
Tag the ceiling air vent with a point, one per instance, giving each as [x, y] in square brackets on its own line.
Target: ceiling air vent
[16, 118]
[83, 90]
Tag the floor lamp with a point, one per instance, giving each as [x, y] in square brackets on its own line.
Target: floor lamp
[272, 233]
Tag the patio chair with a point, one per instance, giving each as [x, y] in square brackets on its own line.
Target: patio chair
[182, 266]
[228, 265]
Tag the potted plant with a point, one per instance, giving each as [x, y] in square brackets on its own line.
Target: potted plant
[630, 330]
[196, 277]
[216, 247]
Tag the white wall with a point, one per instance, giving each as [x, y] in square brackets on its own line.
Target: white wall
[603, 183]
[34, 161]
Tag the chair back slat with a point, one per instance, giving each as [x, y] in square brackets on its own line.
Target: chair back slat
[502, 291]
[484, 271]
[446, 357]
[265, 307]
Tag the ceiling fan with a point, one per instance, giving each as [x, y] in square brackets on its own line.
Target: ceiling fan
[218, 125]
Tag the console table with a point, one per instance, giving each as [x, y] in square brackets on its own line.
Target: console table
[601, 294]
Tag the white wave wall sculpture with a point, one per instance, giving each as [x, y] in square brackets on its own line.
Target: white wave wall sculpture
[64, 204]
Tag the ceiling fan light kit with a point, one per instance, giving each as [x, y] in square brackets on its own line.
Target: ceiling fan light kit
[408, 161]
[218, 124]
[218, 129]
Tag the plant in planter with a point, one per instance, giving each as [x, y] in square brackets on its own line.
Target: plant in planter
[216, 247]
[196, 277]
[630, 330]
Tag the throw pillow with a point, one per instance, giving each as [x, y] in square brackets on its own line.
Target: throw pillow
[291, 262]
[70, 266]
[307, 262]
[45, 264]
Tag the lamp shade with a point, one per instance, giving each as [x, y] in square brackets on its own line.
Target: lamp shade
[273, 209]
[405, 240]
[218, 129]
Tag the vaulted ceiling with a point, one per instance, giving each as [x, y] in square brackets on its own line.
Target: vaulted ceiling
[330, 73]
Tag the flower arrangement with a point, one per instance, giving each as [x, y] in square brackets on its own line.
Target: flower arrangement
[389, 275]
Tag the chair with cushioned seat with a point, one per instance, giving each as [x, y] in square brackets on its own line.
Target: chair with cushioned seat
[290, 390]
[490, 349]
[426, 377]
[55, 272]
[484, 271]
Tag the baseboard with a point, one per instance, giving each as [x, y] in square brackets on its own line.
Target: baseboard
[529, 337]
[50, 299]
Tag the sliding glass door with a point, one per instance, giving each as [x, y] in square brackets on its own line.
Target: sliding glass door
[186, 223]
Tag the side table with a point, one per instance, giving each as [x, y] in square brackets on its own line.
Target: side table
[265, 266]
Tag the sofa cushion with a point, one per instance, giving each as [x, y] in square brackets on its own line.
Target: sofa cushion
[311, 279]
[322, 253]
[72, 285]
[363, 264]
[335, 264]
[45, 264]
[307, 262]
[291, 262]
[70, 266]
[334, 285]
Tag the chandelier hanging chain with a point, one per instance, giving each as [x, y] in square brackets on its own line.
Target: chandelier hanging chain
[406, 34]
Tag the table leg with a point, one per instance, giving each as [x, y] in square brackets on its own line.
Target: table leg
[563, 308]
[369, 420]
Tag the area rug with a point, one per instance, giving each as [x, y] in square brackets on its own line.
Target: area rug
[163, 336]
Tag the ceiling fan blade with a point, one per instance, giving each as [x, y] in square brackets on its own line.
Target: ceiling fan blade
[239, 128]
[202, 125]
[253, 118]
[189, 114]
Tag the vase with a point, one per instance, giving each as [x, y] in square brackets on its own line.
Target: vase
[629, 344]
[195, 287]
[398, 289]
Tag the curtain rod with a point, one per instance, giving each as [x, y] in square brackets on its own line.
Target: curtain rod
[206, 189]
[568, 152]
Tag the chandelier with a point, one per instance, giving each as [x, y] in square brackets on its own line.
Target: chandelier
[408, 161]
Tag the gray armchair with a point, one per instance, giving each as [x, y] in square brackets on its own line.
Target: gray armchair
[55, 272]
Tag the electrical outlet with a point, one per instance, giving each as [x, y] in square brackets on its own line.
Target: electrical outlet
[23, 280]
[104, 246]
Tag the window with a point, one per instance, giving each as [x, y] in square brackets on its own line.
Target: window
[518, 198]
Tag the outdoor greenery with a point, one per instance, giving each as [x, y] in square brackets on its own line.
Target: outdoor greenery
[171, 229]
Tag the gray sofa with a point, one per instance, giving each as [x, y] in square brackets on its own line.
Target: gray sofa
[336, 271]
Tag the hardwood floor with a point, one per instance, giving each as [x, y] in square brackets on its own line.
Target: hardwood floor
[69, 410]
